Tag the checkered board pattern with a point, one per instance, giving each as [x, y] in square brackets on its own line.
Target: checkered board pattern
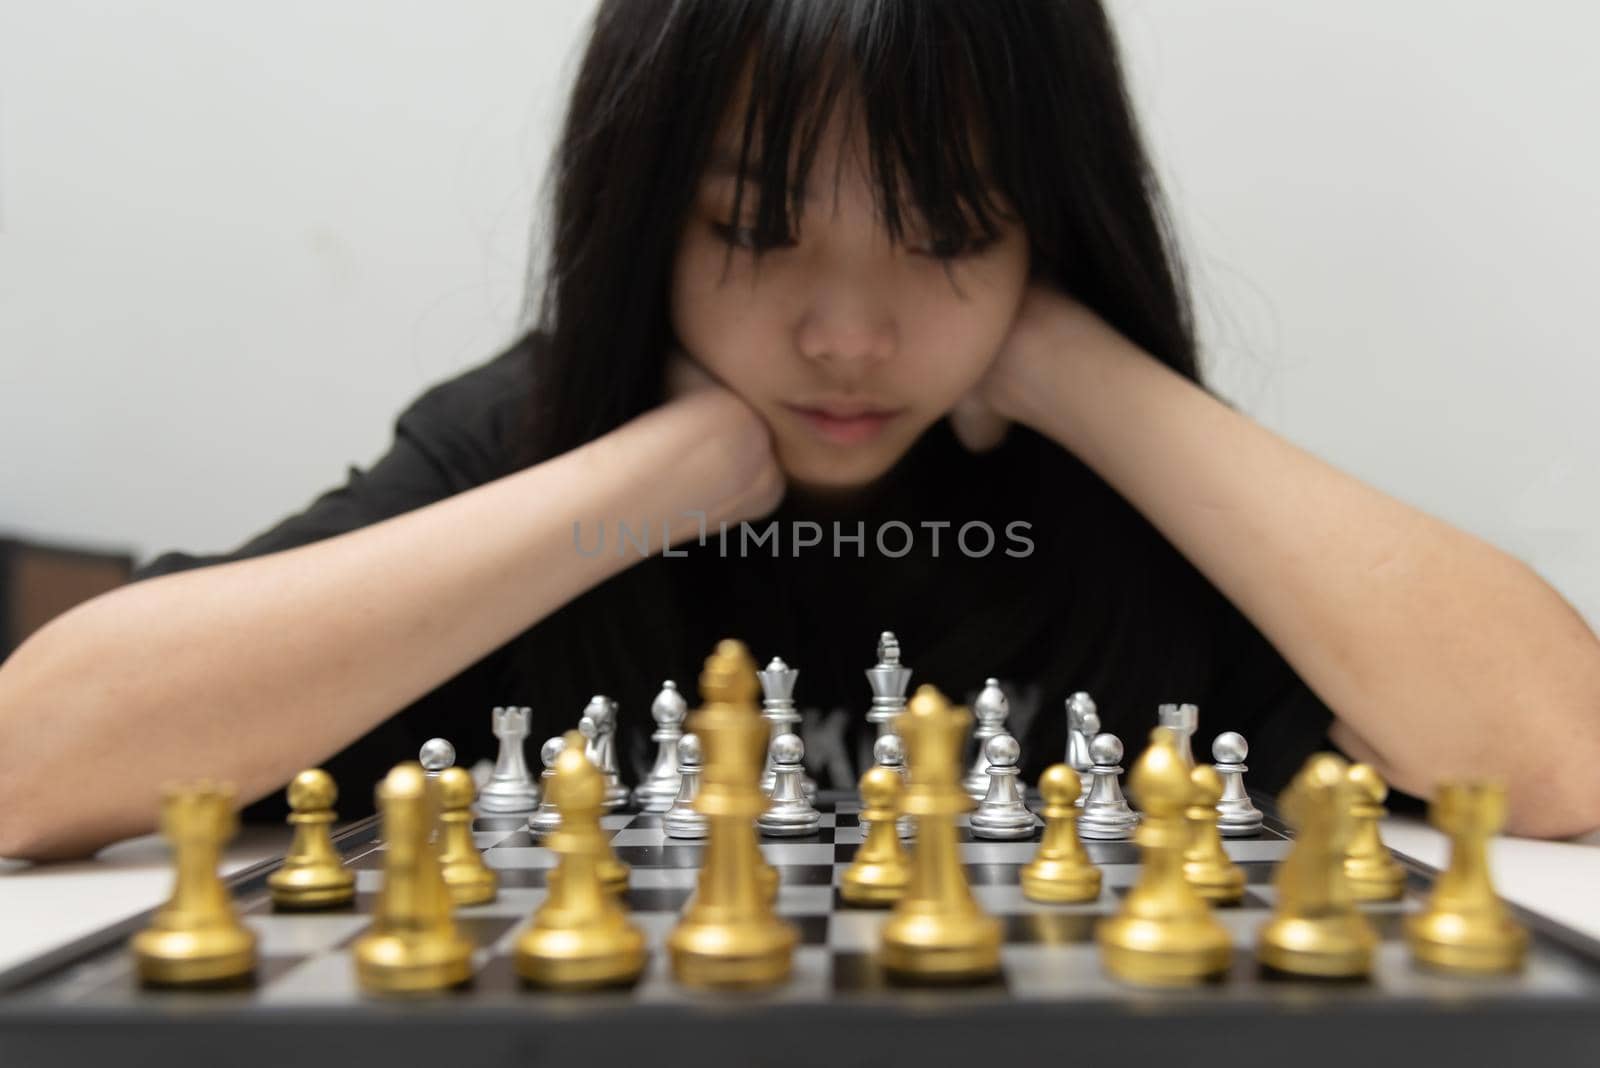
[1049, 953]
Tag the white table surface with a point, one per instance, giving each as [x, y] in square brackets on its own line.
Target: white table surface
[49, 905]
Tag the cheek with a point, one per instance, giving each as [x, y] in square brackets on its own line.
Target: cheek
[719, 321]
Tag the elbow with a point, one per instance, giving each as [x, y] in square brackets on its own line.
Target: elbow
[1556, 806]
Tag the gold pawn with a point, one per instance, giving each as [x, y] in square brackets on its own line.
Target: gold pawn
[1373, 872]
[1164, 934]
[937, 932]
[413, 944]
[312, 875]
[1465, 927]
[1206, 864]
[1061, 871]
[729, 936]
[878, 875]
[196, 938]
[470, 880]
[1316, 929]
[579, 937]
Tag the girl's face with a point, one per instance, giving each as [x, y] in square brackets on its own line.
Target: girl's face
[841, 322]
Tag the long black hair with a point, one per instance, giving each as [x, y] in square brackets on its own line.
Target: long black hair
[1033, 88]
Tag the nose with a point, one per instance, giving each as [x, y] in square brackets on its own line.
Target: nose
[846, 327]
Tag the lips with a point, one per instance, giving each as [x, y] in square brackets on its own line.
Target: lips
[845, 424]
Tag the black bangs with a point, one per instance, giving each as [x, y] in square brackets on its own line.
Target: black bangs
[910, 75]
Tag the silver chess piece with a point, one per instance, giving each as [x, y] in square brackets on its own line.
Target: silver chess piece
[1089, 720]
[436, 755]
[789, 813]
[511, 786]
[888, 680]
[1002, 814]
[1080, 705]
[1106, 815]
[1237, 816]
[1184, 719]
[890, 752]
[669, 708]
[990, 710]
[601, 748]
[777, 708]
[548, 818]
[681, 820]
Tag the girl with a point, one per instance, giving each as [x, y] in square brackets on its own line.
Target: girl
[888, 280]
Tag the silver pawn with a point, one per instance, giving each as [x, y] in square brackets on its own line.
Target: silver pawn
[511, 787]
[1002, 814]
[681, 820]
[777, 708]
[789, 814]
[669, 708]
[1090, 721]
[601, 748]
[1080, 705]
[1106, 815]
[1237, 816]
[548, 818]
[1184, 719]
[990, 710]
[436, 755]
[890, 752]
[888, 680]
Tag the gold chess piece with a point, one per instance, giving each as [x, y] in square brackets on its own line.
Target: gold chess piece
[1316, 929]
[1060, 871]
[413, 945]
[469, 879]
[580, 937]
[196, 938]
[1206, 864]
[879, 873]
[1465, 927]
[729, 935]
[1372, 871]
[1164, 934]
[937, 932]
[312, 875]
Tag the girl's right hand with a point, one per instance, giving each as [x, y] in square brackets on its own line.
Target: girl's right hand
[723, 460]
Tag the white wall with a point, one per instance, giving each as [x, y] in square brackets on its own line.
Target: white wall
[1392, 211]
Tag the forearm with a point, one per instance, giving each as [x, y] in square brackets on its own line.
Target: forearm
[1441, 656]
[249, 671]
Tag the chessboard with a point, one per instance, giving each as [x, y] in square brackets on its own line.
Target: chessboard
[82, 1004]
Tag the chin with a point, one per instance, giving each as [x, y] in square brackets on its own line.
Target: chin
[823, 475]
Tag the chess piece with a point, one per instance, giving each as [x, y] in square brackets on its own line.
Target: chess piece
[1237, 815]
[436, 755]
[580, 937]
[469, 880]
[888, 751]
[1106, 815]
[888, 680]
[548, 818]
[1372, 871]
[196, 938]
[1184, 721]
[1465, 927]
[729, 935]
[601, 715]
[1315, 929]
[990, 709]
[1060, 872]
[1002, 814]
[937, 932]
[659, 788]
[777, 708]
[681, 820]
[879, 873]
[1080, 705]
[511, 787]
[1206, 864]
[413, 944]
[312, 875]
[1164, 934]
[789, 814]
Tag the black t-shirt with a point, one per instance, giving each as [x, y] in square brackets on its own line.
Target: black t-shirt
[1101, 603]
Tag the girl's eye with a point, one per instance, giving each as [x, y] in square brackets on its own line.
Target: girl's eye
[945, 249]
[744, 237]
